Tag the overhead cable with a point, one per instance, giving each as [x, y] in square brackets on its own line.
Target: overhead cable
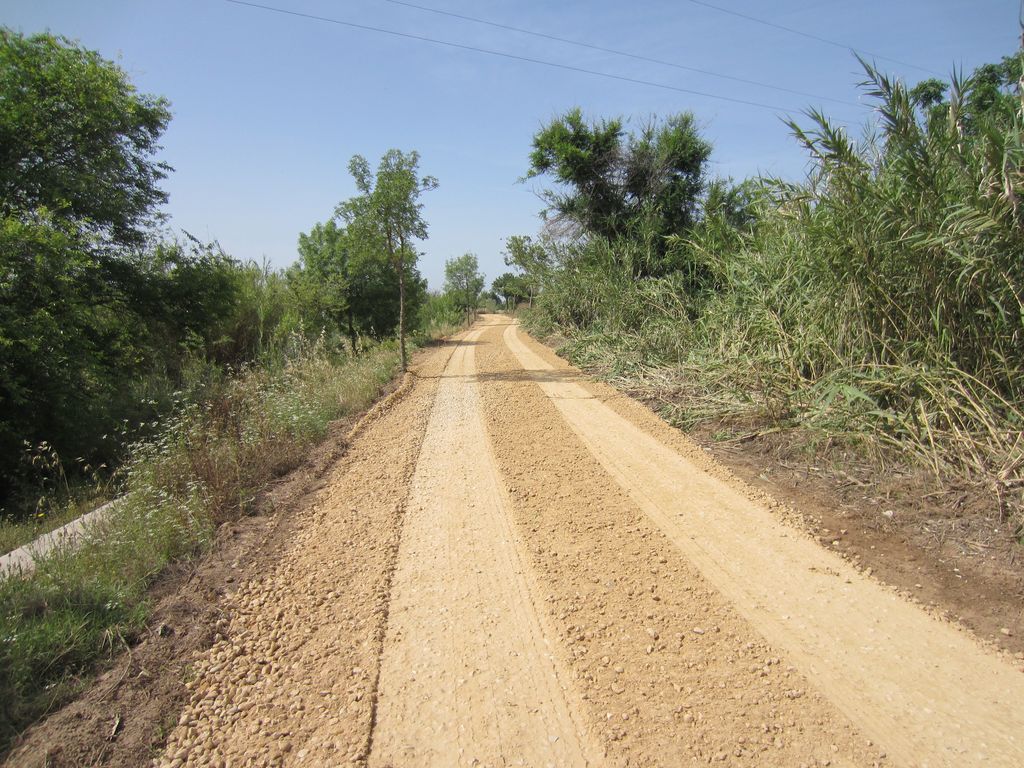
[616, 52]
[808, 35]
[516, 57]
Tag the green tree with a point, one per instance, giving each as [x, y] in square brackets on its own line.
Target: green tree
[509, 289]
[989, 96]
[463, 281]
[532, 259]
[613, 185]
[994, 88]
[77, 139]
[323, 278]
[185, 295]
[929, 93]
[342, 283]
[387, 216]
[83, 311]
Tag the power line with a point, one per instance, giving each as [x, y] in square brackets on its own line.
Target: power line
[502, 54]
[808, 35]
[616, 52]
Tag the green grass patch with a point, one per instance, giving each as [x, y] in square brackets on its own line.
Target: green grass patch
[206, 464]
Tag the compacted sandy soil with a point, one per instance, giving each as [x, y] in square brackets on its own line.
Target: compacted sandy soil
[515, 566]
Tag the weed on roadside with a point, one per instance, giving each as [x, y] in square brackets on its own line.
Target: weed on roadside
[205, 464]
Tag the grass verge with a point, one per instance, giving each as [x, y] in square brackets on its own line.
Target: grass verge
[898, 417]
[206, 465]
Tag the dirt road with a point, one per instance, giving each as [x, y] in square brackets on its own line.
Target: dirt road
[515, 566]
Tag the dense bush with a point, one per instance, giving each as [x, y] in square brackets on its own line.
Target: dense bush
[103, 318]
[880, 303]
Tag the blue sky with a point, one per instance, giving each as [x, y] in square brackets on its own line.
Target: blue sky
[268, 108]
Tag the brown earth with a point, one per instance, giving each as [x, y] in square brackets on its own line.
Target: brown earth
[514, 566]
[948, 545]
[946, 548]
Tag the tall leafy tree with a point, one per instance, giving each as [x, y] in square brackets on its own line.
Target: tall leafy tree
[586, 161]
[323, 276]
[188, 295]
[387, 216]
[79, 186]
[989, 96]
[509, 289]
[614, 185]
[343, 283]
[463, 281]
[77, 138]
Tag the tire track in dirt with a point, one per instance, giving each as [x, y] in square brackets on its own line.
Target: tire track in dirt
[669, 673]
[924, 690]
[467, 677]
[291, 677]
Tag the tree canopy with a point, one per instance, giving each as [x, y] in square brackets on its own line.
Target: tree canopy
[81, 309]
[77, 138]
[509, 289]
[344, 284]
[387, 215]
[612, 184]
[324, 277]
[532, 259]
[989, 95]
[463, 281]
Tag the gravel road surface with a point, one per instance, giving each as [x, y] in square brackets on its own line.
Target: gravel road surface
[515, 566]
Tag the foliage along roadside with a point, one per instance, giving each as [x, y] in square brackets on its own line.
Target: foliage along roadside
[878, 306]
[106, 323]
[193, 377]
[205, 465]
[386, 217]
[463, 283]
[102, 318]
[79, 188]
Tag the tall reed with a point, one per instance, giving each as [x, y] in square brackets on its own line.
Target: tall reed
[879, 303]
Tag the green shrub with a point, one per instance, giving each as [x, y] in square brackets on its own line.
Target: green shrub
[204, 464]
